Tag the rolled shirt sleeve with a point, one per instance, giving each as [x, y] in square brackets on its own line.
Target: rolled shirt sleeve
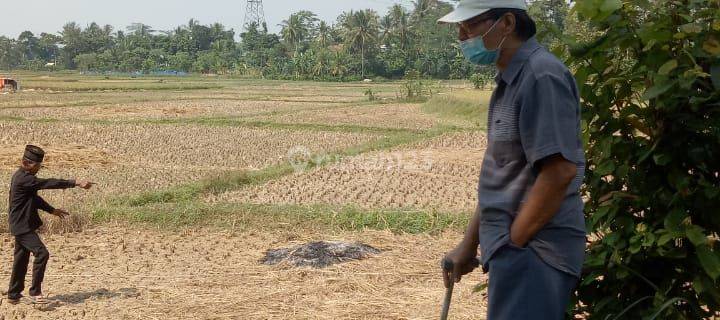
[549, 120]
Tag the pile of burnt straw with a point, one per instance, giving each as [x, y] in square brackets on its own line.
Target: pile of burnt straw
[319, 254]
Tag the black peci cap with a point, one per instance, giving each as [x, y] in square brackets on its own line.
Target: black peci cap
[34, 153]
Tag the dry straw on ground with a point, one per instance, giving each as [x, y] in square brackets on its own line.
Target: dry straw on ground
[155, 110]
[121, 272]
[188, 146]
[126, 159]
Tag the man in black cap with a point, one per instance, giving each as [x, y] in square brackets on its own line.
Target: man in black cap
[24, 221]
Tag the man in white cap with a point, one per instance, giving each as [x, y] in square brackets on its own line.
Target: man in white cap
[529, 222]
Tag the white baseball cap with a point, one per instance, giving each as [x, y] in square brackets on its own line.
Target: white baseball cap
[468, 9]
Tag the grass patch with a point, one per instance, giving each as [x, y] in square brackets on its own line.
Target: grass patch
[238, 122]
[471, 105]
[256, 217]
[191, 191]
[398, 221]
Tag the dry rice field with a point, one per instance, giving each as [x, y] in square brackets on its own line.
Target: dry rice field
[151, 138]
[440, 174]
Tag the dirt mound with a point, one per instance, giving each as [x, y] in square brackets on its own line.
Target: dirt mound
[319, 254]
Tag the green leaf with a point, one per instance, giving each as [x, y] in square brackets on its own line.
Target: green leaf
[691, 28]
[610, 6]
[657, 90]
[665, 306]
[587, 9]
[648, 240]
[709, 261]
[605, 168]
[712, 46]
[698, 285]
[665, 238]
[635, 244]
[687, 17]
[696, 235]
[675, 219]
[667, 67]
[662, 159]
[650, 44]
[480, 287]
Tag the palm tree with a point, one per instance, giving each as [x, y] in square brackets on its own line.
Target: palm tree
[422, 7]
[318, 69]
[291, 30]
[297, 28]
[324, 34]
[387, 25]
[360, 29]
[338, 67]
[402, 27]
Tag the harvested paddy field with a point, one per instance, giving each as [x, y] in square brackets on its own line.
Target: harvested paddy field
[162, 110]
[439, 174]
[127, 158]
[405, 116]
[184, 146]
[198, 177]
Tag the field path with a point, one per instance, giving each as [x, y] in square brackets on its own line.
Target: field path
[119, 272]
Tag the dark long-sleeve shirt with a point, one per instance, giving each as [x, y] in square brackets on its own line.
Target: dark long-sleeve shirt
[24, 200]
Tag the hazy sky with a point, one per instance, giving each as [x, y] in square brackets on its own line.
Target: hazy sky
[50, 15]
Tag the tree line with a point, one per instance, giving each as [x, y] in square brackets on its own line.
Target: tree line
[359, 44]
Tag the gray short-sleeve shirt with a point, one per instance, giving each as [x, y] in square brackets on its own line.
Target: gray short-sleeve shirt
[534, 113]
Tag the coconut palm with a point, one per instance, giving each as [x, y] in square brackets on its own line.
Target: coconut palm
[298, 28]
[402, 27]
[422, 7]
[360, 29]
[324, 34]
[387, 27]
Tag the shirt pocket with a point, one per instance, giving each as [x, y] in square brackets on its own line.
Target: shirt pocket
[505, 144]
[504, 123]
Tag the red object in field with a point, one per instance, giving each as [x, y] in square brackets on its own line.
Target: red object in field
[7, 82]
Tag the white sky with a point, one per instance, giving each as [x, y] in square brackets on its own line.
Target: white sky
[39, 16]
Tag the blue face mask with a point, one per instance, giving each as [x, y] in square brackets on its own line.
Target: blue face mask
[475, 51]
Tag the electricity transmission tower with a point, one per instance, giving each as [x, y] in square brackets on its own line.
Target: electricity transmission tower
[254, 13]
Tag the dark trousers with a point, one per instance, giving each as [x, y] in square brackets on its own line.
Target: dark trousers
[24, 245]
[523, 287]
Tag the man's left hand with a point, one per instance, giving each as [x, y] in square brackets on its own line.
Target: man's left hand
[84, 184]
[60, 213]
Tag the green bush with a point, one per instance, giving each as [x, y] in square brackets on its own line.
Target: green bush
[415, 88]
[650, 86]
[370, 94]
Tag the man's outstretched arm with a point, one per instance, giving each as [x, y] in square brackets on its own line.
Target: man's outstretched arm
[45, 184]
